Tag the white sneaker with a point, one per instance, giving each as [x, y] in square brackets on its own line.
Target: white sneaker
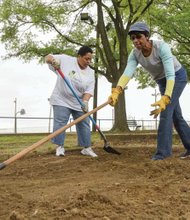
[60, 151]
[88, 152]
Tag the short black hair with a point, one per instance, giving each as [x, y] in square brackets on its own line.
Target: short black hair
[146, 33]
[84, 50]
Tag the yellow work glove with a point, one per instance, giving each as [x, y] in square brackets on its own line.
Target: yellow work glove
[162, 103]
[123, 81]
[113, 98]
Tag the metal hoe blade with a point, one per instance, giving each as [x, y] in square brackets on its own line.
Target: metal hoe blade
[2, 165]
[111, 150]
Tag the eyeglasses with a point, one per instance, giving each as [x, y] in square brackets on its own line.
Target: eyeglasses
[136, 36]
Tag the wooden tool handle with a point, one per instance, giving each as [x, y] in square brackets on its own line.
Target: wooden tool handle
[50, 136]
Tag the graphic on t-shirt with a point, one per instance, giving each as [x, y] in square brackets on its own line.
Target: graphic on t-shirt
[72, 74]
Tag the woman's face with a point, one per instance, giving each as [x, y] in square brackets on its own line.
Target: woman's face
[139, 40]
[85, 60]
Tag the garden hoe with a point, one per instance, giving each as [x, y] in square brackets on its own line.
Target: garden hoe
[50, 136]
[106, 147]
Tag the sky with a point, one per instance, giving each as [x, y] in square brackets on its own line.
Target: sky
[32, 85]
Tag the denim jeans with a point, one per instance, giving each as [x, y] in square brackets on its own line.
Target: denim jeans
[172, 115]
[61, 118]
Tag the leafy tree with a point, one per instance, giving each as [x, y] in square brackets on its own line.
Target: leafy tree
[33, 28]
[172, 22]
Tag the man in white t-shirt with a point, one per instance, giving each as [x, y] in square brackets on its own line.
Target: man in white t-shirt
[81, 78]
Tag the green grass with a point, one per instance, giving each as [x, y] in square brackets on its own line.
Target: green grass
[12, 144]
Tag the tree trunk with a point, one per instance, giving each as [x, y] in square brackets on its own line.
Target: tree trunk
[120, 116]
[95, 102]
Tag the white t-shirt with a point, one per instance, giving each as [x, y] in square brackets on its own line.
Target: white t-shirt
[82, 81]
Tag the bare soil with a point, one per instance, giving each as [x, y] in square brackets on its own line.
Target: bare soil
[130, 186]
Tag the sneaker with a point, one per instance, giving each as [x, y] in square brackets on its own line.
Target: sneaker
[185, 155]
[88, 152]
[60, 151]
[156, 158]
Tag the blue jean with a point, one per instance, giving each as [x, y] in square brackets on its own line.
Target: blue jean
[61, 118]
[172, 115]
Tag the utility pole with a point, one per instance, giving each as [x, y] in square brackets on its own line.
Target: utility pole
[50, 110]
[15, 119]
[85, 17]
[22, 112]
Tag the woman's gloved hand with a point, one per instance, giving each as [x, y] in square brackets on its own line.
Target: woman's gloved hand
[113, 98]
[162, 103]
[85, 106]
[55, 63]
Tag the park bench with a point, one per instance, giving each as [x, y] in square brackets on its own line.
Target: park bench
[133, 124]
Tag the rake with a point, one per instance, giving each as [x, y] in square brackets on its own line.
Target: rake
[106, 147]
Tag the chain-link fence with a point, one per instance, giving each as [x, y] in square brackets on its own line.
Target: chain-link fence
[45, 125]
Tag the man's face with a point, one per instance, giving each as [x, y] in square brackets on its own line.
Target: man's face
[85, 60]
